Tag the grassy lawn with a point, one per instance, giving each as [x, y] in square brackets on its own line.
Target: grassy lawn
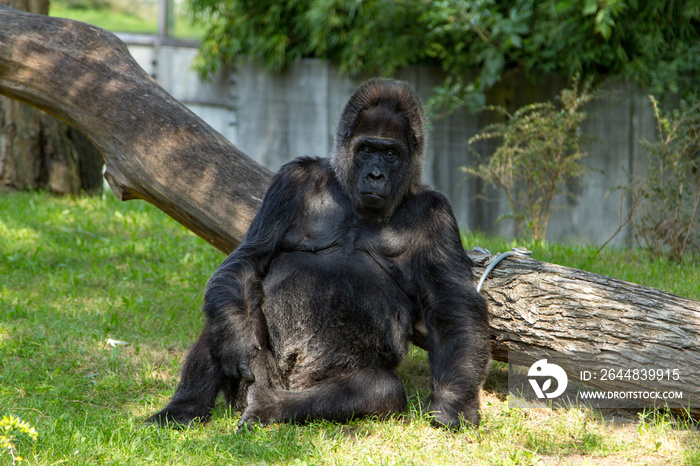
[119, 21]
[75, 272]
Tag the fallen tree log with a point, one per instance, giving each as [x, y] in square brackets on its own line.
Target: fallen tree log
[157, 150]
[596, 325]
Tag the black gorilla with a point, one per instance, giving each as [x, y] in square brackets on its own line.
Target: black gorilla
[347, 260]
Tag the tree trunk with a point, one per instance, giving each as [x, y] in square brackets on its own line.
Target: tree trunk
[157, 150]
[38, 151]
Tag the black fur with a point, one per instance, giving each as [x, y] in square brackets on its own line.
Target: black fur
[347, 261]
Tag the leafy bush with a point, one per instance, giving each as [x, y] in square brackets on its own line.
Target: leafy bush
[654, 44]
[666, 217]
[540, 150]
[372, 35]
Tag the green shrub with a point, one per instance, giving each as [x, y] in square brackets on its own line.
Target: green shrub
[665, 219]
[539, 152]
[476, 43]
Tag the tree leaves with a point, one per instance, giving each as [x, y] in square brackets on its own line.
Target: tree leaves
[655, 44]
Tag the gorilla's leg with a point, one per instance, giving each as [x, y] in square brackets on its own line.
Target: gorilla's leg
[361, 393]
[200, 383]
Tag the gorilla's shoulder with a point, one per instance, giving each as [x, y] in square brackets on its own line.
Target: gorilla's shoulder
[304, 169]
[425, 199]
[301, 170]
[427, 208]
[306, 164]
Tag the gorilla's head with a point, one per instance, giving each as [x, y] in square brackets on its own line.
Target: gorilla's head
[379, 146]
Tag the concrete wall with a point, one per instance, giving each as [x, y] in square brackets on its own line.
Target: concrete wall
[276, 117]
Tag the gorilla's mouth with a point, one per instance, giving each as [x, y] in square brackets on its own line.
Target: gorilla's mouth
[372, 200]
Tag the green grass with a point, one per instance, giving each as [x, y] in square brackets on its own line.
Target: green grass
[75, 272]
[633, 265]
[117, 21]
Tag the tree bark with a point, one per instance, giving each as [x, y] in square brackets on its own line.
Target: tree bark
[157, 150]
[38, 151]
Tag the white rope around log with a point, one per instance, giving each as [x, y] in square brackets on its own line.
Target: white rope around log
[523, 252]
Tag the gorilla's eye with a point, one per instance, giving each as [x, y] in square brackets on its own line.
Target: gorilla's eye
[365, 152]
[391, 154]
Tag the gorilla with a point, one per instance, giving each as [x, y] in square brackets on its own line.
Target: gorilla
[346, 262]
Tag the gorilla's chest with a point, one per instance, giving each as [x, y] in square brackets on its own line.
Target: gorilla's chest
[347, 260]
[342, 250]
[326, 228]
[341, 278]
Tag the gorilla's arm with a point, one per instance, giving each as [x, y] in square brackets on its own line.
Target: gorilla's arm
[456, 319]
[232, 300]
[236, 329]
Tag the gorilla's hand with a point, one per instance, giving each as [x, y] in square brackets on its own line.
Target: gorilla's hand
[236, 352]
[237, 367]
[451, 412]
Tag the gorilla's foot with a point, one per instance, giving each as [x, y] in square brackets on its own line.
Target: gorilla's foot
[264, 407]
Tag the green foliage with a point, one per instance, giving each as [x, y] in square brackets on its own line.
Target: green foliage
[473, 41]
[540, 150]
[14, 433]
[644, 41]
[356, 34]
[655, 44]
[267, 31]
[353, 34]
[667, 210]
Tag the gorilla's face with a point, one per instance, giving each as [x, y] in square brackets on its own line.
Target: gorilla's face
[379, 146]
[381, 162]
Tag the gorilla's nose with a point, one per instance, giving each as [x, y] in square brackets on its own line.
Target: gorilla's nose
[375, 176]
